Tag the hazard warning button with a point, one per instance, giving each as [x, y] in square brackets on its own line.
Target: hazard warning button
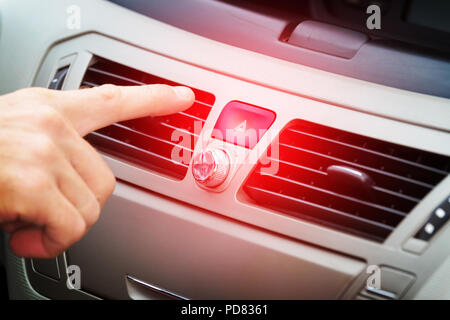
[243, 124]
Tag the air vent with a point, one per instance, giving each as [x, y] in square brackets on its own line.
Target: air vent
[345, 181]
[148, 142]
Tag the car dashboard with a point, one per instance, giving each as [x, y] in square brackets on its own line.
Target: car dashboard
[361, 158]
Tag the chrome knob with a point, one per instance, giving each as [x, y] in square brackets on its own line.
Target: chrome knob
[210, 168]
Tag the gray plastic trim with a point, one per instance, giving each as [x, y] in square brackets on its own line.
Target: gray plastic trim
[383, 62]
[141, 290]
[328, 39]
[291, 90]
[200, 255]
[19, 287]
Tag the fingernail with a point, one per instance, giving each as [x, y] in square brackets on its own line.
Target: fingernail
[183, 93]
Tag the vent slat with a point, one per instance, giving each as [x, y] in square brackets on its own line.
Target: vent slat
[297, 184]
[173, 128]
[140, 150]
[396, 194]
[191, 117]
[293, 167]
[415, 155]
[129, 131]
[342, 180]
[150, 141]
[138, 156]
[347, 151]
[323, 215]
[88, 84]
[374, 170]
[319, 178]
[103, 76]
[156, 128]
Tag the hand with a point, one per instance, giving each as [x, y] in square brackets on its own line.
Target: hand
[52, 182]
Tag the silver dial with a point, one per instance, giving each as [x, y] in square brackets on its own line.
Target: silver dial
[210, 167]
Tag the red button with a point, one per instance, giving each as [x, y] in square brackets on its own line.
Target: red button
[243, 124]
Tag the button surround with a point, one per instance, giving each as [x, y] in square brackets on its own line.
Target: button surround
[243, 124]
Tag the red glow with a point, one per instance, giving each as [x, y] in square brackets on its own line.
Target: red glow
[243, 124]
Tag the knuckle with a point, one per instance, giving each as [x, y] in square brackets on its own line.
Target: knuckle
[49, 118]
[92, 212]
[105, 181]
[77, 231]
[107, 187]
[67, 233]
[109, 92]
[110, 183]
[43, 148]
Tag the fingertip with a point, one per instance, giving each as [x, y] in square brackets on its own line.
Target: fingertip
[185, 98]
[184, 93]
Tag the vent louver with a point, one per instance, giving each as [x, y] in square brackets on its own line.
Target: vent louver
[324, 174]
[148, 141]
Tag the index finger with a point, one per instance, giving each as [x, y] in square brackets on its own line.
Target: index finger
[98, 107]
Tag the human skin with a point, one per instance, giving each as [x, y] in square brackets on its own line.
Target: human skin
[53, 184]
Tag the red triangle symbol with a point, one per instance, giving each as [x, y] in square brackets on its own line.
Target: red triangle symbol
[242, 127]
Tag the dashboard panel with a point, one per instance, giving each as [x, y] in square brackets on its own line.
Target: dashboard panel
[191, 242]
[400, 54]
